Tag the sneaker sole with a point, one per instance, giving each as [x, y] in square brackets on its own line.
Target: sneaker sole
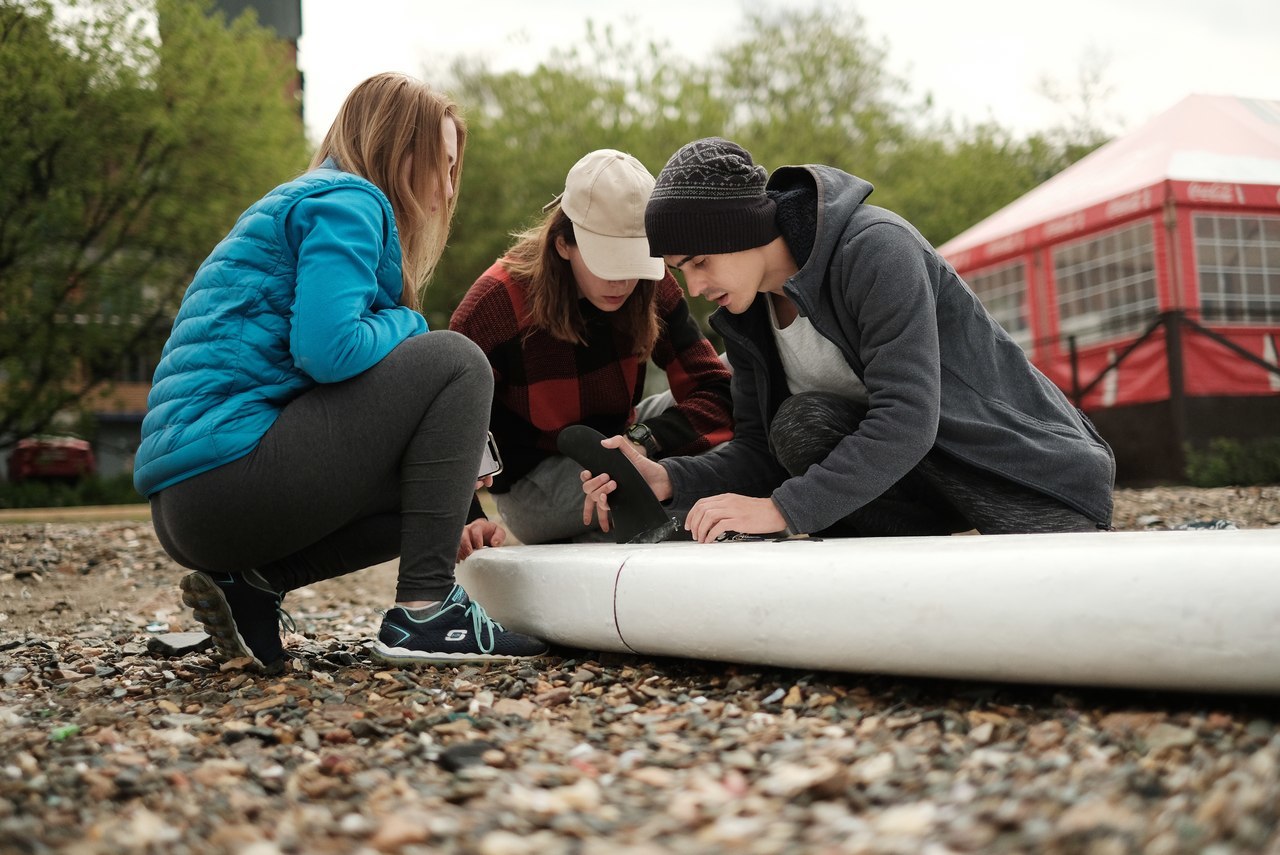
[405, 656]
[206, 600]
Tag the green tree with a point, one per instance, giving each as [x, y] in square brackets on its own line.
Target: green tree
[124, 157]
[945, 181]
[812, 87]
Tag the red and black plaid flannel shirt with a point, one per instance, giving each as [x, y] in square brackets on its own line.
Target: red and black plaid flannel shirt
[543, 385]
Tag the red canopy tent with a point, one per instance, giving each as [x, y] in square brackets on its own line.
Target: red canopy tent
[1145, 280]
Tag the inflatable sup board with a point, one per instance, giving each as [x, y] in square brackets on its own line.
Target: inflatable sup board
[1186, 610]
[1183, 610]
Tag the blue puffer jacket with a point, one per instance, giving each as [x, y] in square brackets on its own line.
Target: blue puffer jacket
[304, 290]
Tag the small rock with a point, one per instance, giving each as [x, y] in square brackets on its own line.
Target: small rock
[462, 755]
[398, 831]
[355, 825]
[554, 697]
[873, 769]
[789, 780]
[910, 821]
[1094, 814]
[653, 776]
[177, 737]
[1046, 735]
[1164, 736]
[363, 728]
[505, 843]
[514, 706]
[1124, 724]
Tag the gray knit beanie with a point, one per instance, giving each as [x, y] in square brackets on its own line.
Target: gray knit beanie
[709, 199]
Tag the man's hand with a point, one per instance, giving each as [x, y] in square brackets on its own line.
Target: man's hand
[714, 515]
[478, 534]
[598, 487]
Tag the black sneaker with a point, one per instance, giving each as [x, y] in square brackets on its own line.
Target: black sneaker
[241, 613]
[459, 632]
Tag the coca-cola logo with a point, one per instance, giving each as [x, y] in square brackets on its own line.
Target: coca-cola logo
[1217, 194]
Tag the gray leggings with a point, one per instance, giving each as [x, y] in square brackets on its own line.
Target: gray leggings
[350, 475]
[941, 495]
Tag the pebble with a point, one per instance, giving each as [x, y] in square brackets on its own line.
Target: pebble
[179, 643]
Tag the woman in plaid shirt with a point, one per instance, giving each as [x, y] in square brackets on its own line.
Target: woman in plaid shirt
[569, 319]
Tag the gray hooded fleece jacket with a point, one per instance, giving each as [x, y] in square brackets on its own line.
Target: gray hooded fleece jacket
[938, 371]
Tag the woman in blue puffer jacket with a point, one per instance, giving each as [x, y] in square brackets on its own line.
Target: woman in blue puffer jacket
[303, 423]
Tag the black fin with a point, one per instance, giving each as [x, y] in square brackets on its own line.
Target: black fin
[635, 514]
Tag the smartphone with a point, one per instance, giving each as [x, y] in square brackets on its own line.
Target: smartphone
[490, 461]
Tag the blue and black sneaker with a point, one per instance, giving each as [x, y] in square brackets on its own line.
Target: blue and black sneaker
[459, 631]
[241, 613]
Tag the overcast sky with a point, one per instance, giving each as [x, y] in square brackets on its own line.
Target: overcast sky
[978, 58]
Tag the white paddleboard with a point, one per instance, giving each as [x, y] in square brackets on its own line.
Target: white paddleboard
[1185, 610]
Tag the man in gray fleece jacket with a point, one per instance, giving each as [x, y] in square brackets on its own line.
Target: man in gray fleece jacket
[873, 394]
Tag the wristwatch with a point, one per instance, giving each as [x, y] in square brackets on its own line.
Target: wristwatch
[640, 434]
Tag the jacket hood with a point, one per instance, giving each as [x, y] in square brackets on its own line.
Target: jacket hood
[833, 193]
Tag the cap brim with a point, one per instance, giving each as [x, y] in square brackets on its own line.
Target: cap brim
[618, 257]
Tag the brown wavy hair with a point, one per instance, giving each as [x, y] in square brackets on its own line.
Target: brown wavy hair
[553, 292]
[387, 121]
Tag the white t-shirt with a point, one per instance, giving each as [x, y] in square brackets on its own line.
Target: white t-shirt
[811, 362]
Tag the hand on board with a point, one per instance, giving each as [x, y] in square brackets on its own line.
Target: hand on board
[713, 516]
[478, 534]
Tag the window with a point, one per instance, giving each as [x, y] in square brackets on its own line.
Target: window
[1003, 290]
[1238, 264]
[1107, 284]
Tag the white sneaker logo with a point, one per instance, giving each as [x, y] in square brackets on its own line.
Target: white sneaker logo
[456, 635]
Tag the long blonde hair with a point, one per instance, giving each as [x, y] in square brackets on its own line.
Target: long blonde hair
[386, 122]
[553, 290]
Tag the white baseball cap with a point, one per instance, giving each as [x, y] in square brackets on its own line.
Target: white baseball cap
[604, 197]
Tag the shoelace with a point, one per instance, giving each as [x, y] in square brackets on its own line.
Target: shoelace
[480, 621]
[286, 619]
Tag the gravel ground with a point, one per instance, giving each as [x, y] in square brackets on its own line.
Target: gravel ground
[114, 742]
